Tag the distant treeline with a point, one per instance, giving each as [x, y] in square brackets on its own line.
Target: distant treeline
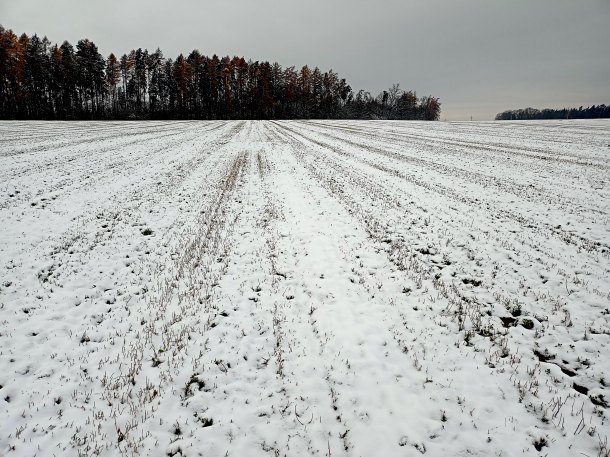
[41, 80]
[592, 112]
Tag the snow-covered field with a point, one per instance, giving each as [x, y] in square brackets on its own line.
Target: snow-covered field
[304, 288]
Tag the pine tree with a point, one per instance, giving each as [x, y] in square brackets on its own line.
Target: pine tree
[113, 76]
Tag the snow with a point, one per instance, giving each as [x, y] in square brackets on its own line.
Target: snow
[324, 288]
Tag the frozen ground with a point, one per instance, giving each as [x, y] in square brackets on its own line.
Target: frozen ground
[304, 288]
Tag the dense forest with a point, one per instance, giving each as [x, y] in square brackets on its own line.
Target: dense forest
[592, 112]
[41, 80]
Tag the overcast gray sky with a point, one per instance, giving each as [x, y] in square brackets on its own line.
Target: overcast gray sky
[479, 57]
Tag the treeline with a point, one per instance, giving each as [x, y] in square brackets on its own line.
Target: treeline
[592, 112]
[41, 80]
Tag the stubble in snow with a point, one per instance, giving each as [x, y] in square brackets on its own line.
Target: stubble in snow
[304, 288]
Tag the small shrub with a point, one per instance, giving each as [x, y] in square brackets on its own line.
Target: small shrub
[540, 443]
[527, 323]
